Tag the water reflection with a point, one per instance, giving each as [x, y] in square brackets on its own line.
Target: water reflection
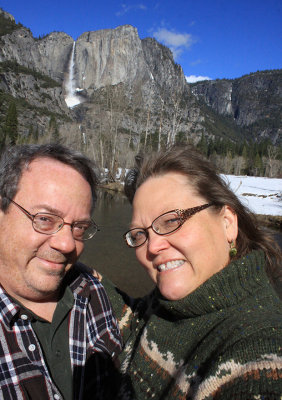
[107, 251]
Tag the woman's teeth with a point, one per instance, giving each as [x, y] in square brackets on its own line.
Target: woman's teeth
[170, 265]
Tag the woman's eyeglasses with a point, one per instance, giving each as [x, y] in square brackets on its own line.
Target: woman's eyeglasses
[166, 223]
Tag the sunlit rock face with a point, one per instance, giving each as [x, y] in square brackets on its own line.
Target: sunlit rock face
[247, 100]
[216, 94]
[100, 58]
[109, 57]
[55, 52]
[49, 55]
[119, 56]
[145, 88]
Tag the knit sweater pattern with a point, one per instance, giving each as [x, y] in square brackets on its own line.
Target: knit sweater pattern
[222, 341]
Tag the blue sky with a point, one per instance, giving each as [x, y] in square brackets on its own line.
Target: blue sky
[209, 38]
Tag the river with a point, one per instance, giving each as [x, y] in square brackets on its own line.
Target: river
[107, 251]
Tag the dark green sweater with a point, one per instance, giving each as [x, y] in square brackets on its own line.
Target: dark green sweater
[223, 341]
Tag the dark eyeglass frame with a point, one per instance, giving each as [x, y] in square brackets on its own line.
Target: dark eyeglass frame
[72, 225]
[184, 215]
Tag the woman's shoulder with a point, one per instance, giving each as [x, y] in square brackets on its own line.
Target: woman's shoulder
[251, 365]
[123, 303]
[260, 314]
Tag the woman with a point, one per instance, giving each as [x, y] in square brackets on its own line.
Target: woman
[212, 328]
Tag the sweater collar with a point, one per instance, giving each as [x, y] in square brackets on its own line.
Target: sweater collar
[237, 281]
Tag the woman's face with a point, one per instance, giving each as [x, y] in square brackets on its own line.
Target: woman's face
[180, 262]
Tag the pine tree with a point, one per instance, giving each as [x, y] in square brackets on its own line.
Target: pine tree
[2, 138]
[203, 145]
[211, 148]
[53, 129]
[258, 165]
[30, 131]
[35, 134]
[245, 152]
[11, 125]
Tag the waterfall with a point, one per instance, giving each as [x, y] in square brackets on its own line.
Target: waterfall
[71, 98]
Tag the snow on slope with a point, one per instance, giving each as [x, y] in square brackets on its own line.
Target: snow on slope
[260, 195]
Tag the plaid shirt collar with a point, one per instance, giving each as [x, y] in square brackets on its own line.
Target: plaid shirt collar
[90, 315]
[11, 308]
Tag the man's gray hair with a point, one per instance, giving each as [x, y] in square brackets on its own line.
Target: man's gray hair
[15, 159]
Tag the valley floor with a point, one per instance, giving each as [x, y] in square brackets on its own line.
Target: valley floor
[263, 196]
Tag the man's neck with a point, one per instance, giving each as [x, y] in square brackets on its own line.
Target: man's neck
[43, 310]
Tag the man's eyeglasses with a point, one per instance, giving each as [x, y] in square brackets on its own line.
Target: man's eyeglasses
[165, 224]
[48, 224]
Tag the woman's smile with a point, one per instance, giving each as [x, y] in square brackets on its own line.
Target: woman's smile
[170, 265]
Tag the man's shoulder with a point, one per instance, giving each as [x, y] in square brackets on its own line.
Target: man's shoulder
[8, 308]
[82, 282]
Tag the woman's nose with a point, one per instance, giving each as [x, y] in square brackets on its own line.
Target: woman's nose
[156, 243]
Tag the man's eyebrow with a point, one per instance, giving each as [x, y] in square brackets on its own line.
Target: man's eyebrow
[48, 209]
[45, 208]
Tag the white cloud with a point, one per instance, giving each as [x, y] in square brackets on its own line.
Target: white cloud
[194, 78]
[126, 8]
[177, 42]
[196, 62]
[171, 38]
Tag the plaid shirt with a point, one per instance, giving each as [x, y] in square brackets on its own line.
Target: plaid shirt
[94, 340]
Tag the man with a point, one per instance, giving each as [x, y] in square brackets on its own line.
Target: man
[58, 334]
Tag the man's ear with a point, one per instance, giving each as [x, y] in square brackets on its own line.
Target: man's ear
[1, 212]
[231, 223]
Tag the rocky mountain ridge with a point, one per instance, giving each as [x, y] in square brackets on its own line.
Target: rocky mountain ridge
[131, 92]
[251, 99]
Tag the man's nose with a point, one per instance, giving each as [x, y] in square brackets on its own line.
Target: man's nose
[63, 240]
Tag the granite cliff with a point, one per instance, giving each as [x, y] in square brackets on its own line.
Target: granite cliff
[128, 91]
[252, 101]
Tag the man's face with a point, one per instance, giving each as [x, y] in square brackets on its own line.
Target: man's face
[32, 264]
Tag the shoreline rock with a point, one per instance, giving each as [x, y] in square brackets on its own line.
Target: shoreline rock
[270, 221]
[114, 186]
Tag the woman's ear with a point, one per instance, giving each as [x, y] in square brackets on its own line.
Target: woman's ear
[231, 223]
